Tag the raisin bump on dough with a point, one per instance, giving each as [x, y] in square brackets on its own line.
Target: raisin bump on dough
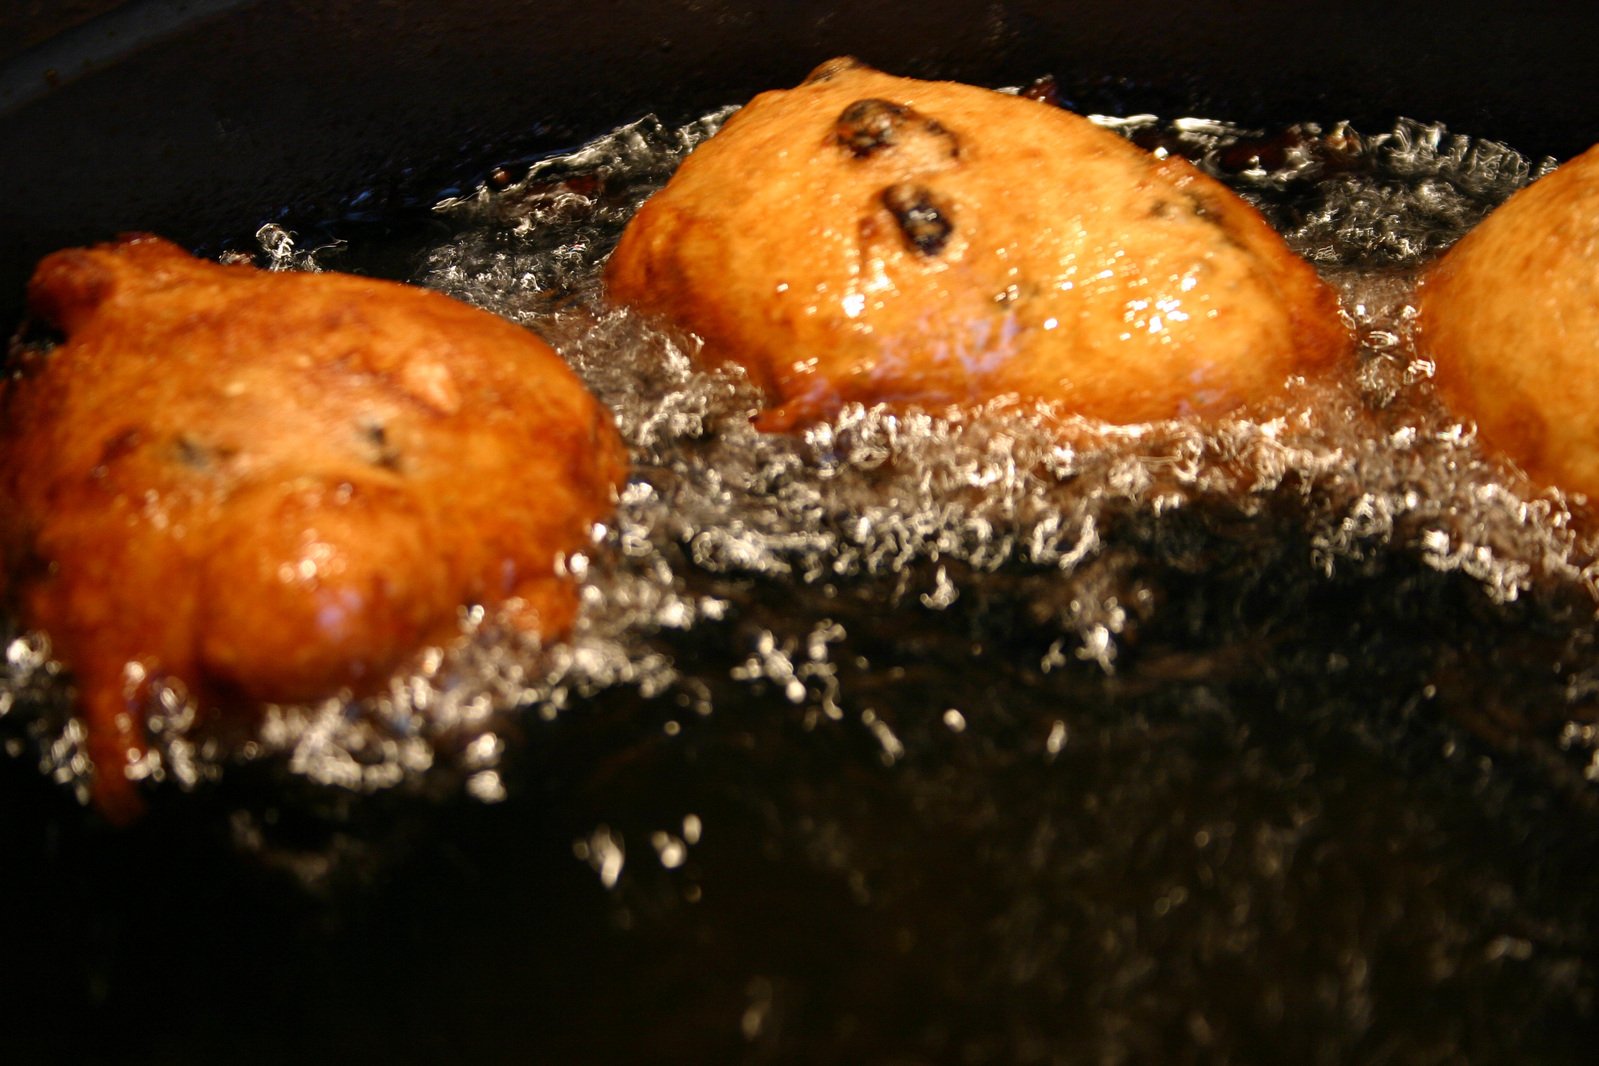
[923, 219]
[869, 126]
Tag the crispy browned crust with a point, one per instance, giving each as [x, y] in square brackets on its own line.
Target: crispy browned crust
[274, 487]
[870, 238]
[1510, 319]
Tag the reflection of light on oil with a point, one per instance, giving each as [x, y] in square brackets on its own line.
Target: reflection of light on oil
[1168, 901]
[760, 993]
[671, 850]
[604, 853]
[1056, 741]
[893, 748]
[1583, 735]
[944, 593]
[486, 787]
[485, 750]
[1509, 947]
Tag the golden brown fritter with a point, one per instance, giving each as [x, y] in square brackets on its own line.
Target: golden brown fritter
[870, 238]
[276, 487]
[1510, 318]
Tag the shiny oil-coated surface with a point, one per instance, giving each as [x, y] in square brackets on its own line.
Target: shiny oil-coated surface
[276, 487]
[866, 238]
[1511, 318]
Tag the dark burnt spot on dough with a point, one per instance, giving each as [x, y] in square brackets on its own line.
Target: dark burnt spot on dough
[924, 219]
[30, 347]
[198, 455]
[380, 451]
[871, 125]
[191, 453]
[122, 443]
[833, 68]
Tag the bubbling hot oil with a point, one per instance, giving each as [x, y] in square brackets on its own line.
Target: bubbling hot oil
[908, 739]
[1068, 542]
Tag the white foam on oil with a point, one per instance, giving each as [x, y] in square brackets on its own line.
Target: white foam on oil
[928, 507]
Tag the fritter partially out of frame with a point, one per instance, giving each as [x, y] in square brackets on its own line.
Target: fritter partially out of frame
[867, 238]
[1510, 318]
[278, 487]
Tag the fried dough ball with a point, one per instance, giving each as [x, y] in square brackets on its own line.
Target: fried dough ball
[278, 487]
[869, 238]
[1510, 318]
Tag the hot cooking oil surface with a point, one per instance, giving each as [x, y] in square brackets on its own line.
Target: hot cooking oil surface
[909, 739]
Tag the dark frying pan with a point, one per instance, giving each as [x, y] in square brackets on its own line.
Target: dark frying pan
[195, 119]
[968, 906]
